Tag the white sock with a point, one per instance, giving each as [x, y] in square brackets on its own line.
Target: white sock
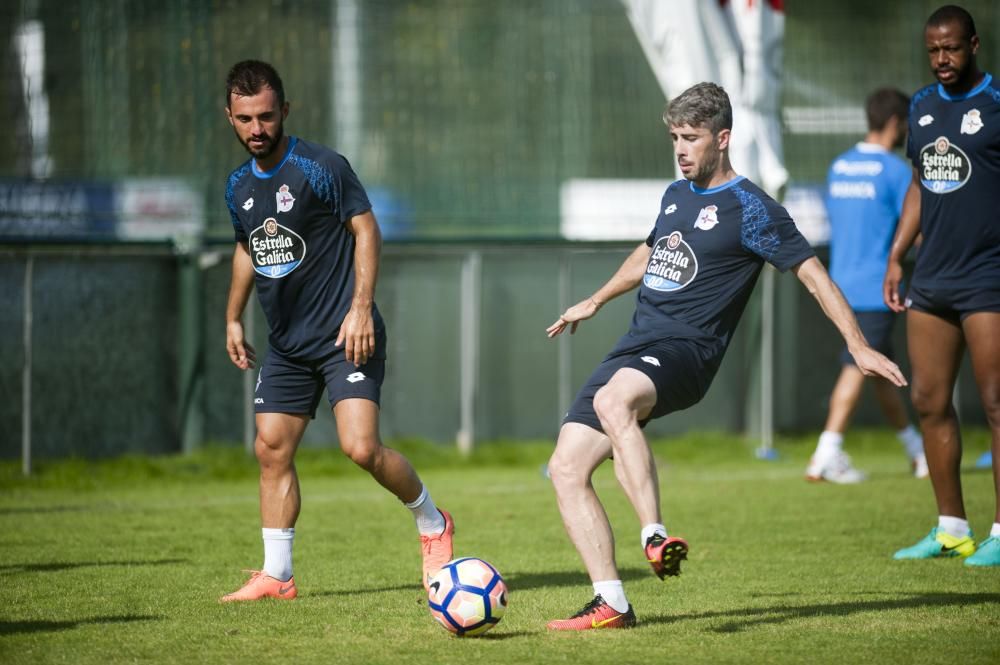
[649, 530]
[953, 526]
[830, 443]
[429, 519]
[278, 553]
[995, 531]
[912, 441]
[613, 594]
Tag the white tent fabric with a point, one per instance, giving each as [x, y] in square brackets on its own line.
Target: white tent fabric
[737, 44]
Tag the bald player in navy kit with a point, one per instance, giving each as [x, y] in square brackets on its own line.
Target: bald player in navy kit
[307, 239]
[953, 300]
[695, 273]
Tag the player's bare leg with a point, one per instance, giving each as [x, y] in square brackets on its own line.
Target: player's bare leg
[890, 401]
[357, 428]
[984, 350]
[844, 398]
[935, 347]
[629, 396]
[278, 436]
[579, 451]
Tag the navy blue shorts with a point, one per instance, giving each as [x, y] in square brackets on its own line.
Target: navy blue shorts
[681, 369]
[953, 304]
[287, 385]
[877, 330]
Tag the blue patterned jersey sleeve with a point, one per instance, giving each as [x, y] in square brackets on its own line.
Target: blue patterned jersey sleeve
[768, 231]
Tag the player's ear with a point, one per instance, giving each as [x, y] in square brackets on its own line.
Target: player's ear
[284, 110]
[974, 44]
[229, 114]
[722, 138]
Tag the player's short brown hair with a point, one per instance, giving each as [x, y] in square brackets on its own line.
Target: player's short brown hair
[701, 105]
[248, 77]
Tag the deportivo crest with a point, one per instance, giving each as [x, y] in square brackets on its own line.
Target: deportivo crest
[275, 249]
[707, 218]
[284, 198]
[944, 167]
[972, 122]
[672, 264]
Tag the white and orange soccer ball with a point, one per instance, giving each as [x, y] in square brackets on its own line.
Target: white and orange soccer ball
[467, 596]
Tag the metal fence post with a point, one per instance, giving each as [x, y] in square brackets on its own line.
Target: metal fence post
[766, 449]
[26, 368]
[469, 348]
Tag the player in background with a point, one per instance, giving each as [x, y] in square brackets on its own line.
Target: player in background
[865, 190]
[953, 300]
[306, 236]
[695, 272]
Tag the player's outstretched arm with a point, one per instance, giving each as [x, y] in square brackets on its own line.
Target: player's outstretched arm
[906, 233]
[871, 363]
[626, 278]
[241, 352]
[357, 332]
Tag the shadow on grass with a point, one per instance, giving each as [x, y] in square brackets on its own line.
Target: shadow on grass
[380, 589]
[70, 565]
[522, 581]
[752, 617]
[16, 510]
[15, 627]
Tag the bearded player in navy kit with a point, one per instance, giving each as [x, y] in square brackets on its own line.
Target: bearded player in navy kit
[695, 273]
[306, 236]
[954, 295]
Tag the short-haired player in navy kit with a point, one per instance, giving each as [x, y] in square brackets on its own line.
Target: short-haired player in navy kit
[695, 272]
[953, 300]
[864, 196]
[307, 238]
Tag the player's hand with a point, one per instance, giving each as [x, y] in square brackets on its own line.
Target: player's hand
[890, 286]
[873, 363]
[240, 351]
[357, 334]
[572, 317]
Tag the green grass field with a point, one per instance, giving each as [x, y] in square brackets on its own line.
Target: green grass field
[123, 561]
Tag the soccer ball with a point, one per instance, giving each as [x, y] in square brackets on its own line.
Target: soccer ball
[468, 596]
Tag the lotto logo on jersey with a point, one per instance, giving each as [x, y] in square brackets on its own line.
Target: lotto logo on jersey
[276, 250]
[672, 264]
[944, 167]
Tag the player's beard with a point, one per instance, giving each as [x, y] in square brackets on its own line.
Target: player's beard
[709, 163]
[271, 143]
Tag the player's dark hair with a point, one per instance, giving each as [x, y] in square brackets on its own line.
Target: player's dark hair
[953, 13]
[249, 77]
[884, 104]
[701, 105]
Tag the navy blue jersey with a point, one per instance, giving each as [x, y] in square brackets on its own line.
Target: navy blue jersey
[708, 247]
[954, 143]
[292, 219]
[864, 196]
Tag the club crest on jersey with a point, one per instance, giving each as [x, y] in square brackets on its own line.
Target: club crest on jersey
[284, 198]
[944, 167]
[706, 218]
[972, 121]
[275, 249]
[672, 264]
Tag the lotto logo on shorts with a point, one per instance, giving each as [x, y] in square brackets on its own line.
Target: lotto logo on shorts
[355, 377]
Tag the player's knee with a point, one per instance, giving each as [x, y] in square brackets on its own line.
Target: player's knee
[612, 411]
[929, 402]
[565, 471]
[362, 451]
[272, 451]
[990, 395]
